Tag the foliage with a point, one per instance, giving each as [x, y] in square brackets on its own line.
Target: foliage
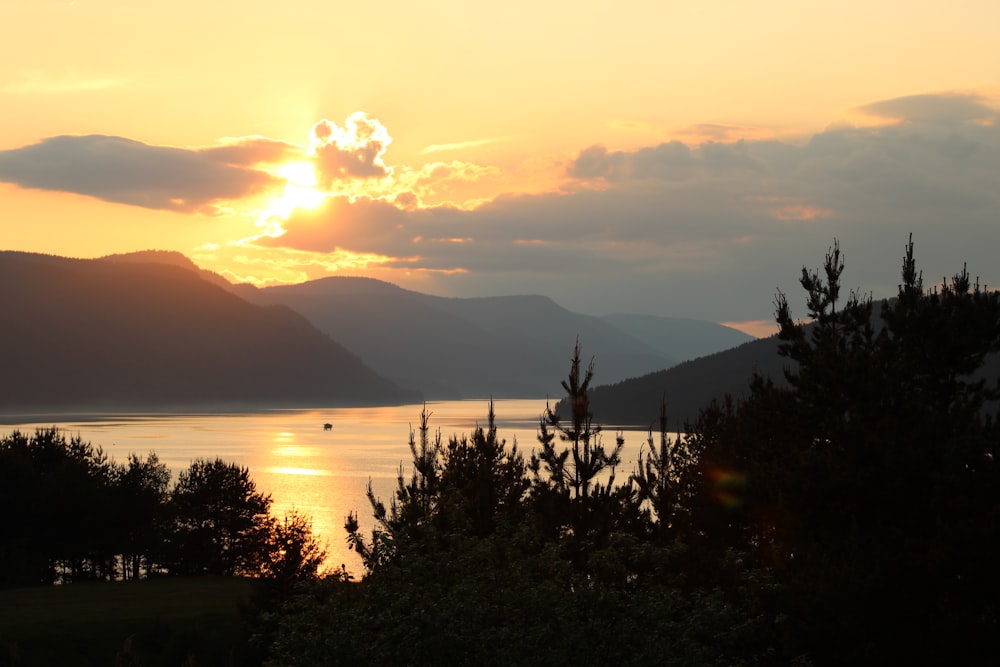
[71, 514]
[293, 554]
[482, 559]
[870, 484]
[220, 523]
[492, 604]
[471, 485]
[567, 494]
[156, 622]
[574, 471]
[60, 511]
[140, 497]
[665, 480]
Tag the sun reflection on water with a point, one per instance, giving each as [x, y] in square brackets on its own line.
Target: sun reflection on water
[285, 470]
[321, 474]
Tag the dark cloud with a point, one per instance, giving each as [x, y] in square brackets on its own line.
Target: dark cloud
[708, 231]
[668, 161]
[251, 151]
[941, 108]
[121, 170]
[597, 162]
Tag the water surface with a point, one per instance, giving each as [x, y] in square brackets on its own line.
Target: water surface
[322, 473]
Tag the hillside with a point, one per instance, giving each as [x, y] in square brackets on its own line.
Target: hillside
[687, 387]
[462, 348]
[103, 334]
[692, 385]
[678, 337]
[448, 348]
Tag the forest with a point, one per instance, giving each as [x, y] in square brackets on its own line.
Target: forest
[849, 515]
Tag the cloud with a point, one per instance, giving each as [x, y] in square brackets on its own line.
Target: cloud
[669, 161]
[121, 170]
[941, 108]
[706, 229]
[457, 184]
[252, 151]
[344, 160]
[702, 231]
[460, 145]
[353, 151]
[724, 133]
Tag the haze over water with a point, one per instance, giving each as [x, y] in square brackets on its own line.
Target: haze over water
[322, 474]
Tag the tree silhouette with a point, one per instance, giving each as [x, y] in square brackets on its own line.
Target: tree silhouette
[872, 481]
[220, 520]
[141, 492]
[566, 481]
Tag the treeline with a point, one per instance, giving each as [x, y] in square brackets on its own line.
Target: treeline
[848, 516]
[73, 514]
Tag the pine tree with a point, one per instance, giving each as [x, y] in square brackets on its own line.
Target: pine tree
[872, 478]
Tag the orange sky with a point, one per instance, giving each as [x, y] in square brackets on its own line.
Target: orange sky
[674, 159]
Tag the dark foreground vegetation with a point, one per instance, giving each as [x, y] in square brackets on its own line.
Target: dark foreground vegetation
[122, 563]
[848, 516]
[159, 622]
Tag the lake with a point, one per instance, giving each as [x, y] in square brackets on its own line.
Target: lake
[321, 473]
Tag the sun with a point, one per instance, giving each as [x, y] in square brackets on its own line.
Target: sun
[300, 189]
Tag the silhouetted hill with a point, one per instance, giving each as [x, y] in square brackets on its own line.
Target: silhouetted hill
[509, 346]
[677, 337]
[462, 348]
[106, 334]
[692, 385]
[687, 387]
[173, 258]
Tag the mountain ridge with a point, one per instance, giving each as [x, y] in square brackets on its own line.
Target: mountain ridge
[510, 346]
[505, 347]
[97, 333]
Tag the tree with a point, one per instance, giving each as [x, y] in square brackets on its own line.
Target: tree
[566, 484]
[664, 480]
[464, 568]
[57, 496]
[220, 521]
[483, 480]
[465, 487]
[293, 554]
[141, 492]
[871, 478]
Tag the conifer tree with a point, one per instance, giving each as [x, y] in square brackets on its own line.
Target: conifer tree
[872, 481]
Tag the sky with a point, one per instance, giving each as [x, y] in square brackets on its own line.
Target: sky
[675, 159]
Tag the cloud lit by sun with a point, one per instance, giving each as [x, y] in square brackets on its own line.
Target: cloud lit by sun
[354, 151]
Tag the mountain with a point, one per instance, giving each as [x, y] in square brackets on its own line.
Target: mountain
[677, 337]
[447, 348]
[113, 334]
[693, 384]
[509, 346]
[173, 258]
[686, 387]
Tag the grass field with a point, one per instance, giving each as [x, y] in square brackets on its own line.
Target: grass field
[154, 622]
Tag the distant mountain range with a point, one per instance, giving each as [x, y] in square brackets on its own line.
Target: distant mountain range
[692, 385]
[686, 387]
[151, 329]
[509, 346]
[111, 335]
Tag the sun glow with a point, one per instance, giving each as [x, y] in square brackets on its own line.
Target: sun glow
[300, 189]
[309, 472]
